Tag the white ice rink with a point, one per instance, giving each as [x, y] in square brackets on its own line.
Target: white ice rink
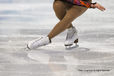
[25, 20]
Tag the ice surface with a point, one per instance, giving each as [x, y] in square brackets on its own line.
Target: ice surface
[24, 20]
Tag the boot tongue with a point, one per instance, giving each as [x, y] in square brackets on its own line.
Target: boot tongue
[49, 40]
[70, 28]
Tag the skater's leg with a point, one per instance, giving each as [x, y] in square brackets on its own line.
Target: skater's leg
[65, 22]
[71, 14]
[60, 9]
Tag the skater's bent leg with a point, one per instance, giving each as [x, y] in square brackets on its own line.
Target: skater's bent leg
[60, 10]
[71, 14]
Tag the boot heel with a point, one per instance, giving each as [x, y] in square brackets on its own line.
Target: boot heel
[76, 41]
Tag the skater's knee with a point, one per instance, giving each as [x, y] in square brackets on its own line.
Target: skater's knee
[59, 9]
[58, 3]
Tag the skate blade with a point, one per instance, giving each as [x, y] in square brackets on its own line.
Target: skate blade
[71, 46]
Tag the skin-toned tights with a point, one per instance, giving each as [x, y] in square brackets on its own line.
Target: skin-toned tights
[66, 13]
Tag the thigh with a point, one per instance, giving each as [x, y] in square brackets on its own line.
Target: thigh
[59, 9]
[73, 13]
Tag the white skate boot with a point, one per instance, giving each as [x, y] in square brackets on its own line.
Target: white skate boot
[42, 41]
[71, 38]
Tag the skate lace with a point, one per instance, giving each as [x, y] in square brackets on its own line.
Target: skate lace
[37, 40]
[70, 35]
[40, 41]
